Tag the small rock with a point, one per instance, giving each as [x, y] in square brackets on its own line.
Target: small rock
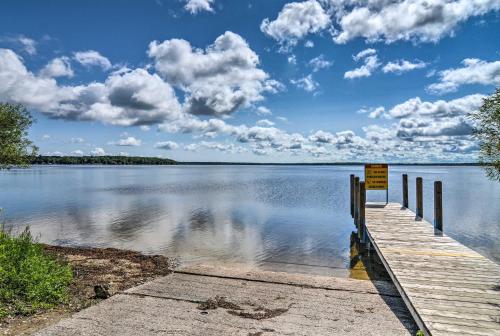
[101, 291]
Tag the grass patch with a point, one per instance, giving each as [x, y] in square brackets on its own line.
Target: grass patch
[30, 279]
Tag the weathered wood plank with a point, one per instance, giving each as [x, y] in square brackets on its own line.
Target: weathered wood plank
[448, 287]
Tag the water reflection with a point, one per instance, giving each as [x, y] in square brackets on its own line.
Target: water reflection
[275, 218]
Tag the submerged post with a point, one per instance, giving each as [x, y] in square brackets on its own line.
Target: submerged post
[362, 203]
[438, 206]
[356, 200]
[405, 190]
[352, 194]
[420, 198]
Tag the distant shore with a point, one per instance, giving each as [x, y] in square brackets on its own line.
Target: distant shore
[139, 160]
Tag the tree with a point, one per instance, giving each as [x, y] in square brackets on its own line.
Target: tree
[15, 147]
[487, 131]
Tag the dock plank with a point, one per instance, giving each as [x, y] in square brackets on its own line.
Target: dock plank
[448, 287]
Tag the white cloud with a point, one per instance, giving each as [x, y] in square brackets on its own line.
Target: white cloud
[306, 83]
[474, 71]
[295, 21]
[218, 80]
[364, 53]
[319, 63]
[401, 66]
[371, 63]
[416, 20]
[262, 110]
[129, 98]
[92, 58]
[58, 67]
[28, 45]
[46, 137]
[292, 59]
[77, 140]
[221, 147]
[144, 128]
[129, 141]
[167, 145]
[440, 108]
[98, 151]
[265, 123]
[196, 6]
[77, 152]
[309, 44]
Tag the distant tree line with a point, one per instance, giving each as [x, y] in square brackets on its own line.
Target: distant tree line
[101, 160]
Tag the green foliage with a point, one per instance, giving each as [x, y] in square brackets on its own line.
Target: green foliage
[487, 132]
[420, 333]
[30, 279]
[15, 147]
[103, 160]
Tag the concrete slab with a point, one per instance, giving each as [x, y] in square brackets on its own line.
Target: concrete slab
[206, 301]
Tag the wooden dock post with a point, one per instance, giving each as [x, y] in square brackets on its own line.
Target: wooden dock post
[438, 206]
[352, 194]
[420, 198]
[362, 203]
[405, 190]
[356, 200]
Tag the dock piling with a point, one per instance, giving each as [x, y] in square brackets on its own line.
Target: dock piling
[356, 200]
[420, 198]
[405, 190]
[362, 203]
[352, 194]
[438, 206]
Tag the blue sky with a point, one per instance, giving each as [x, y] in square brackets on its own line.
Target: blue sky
[259, 81]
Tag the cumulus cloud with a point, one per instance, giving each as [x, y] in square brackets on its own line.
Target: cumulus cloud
[135, 97]
[20, 42]
[167, 145]
[401, 66]
[474, 71]
[319, 63]
[306, 83]
[295, 21]
[218, 80]
[98, 151]
[221, 147]
[77, 152]
[440, 108]
[371, 63]
[128, 141]
[262, 110]
[58, 67]
[415, 20]
[265, 123]
[92, 58]
[196, 6]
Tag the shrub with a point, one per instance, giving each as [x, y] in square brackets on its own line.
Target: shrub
[30, 279]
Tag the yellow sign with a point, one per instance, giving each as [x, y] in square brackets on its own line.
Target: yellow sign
[376, 177]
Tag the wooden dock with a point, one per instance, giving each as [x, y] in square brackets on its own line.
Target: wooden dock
[448, 288]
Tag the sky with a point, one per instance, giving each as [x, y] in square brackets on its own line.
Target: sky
[252, 80]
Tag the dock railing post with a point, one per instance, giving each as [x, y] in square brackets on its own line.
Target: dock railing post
[362, 203]
[405, 190]
[438, 206]
[420, 198]
[352, 194]
[356, 200]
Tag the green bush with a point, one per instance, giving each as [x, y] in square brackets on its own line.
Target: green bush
[30, 279]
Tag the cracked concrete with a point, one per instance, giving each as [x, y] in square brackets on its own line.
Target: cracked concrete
[228, 301]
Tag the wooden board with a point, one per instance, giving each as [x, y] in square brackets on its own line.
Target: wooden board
[448, 288]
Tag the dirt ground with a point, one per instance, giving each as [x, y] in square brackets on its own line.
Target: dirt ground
[111, 270]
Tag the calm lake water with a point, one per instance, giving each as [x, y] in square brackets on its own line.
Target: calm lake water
[273, 217]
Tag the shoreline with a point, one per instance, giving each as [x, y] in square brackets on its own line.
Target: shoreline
[110, 269]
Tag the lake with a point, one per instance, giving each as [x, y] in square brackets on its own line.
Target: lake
[272, 217]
